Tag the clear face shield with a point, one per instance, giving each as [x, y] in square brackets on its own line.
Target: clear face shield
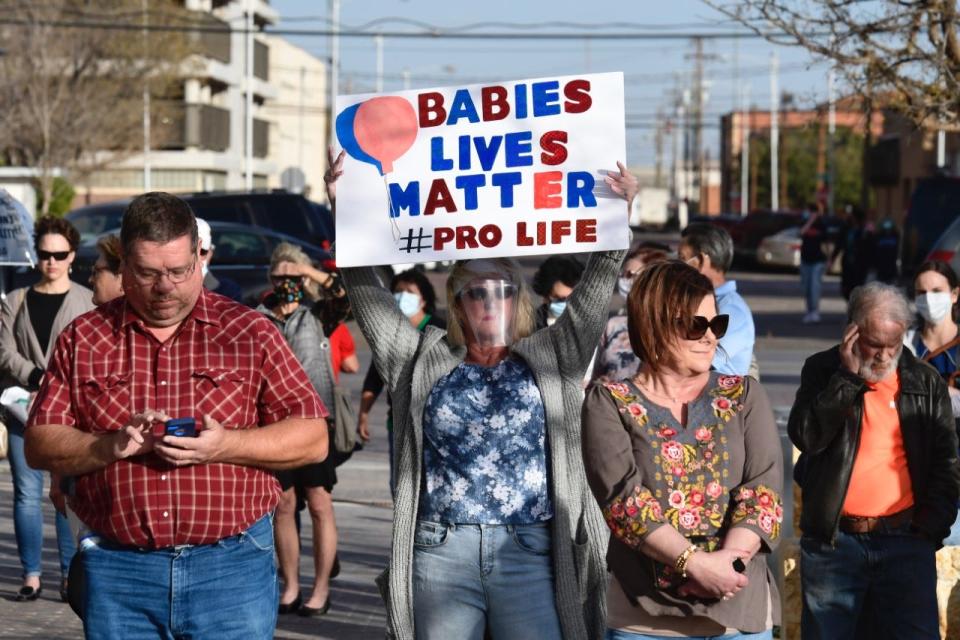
[489, 308]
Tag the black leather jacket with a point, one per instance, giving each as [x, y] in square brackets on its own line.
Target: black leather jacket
[825, 425]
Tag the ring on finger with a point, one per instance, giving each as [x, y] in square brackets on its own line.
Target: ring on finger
[727, 596]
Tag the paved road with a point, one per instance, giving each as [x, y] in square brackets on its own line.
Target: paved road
[363, 499]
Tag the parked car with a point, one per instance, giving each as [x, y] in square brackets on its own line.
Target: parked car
[241, 253]
[782, 249]
[283, 212]
[748, 231]
[947, 248]
[934, 205]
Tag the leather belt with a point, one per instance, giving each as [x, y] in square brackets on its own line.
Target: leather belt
[867, 524]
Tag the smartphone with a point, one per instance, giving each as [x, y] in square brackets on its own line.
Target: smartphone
[181, 427]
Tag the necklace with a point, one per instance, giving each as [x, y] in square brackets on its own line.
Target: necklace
[647, 389]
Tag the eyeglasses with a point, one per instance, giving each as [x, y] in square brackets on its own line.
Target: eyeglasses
[58, 256]
[482, 294]
[150, 276]
[697, 327]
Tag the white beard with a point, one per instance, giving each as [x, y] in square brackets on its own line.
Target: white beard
[872, 371]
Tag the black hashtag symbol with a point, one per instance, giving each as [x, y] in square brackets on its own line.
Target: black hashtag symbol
[420, 237]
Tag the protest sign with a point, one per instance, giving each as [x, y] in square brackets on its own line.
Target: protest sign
[511, 169]
[16, 232]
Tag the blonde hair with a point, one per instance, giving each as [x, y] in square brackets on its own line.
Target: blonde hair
[465, 271]
[287, 252]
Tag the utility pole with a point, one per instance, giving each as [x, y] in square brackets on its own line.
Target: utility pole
[147, 183]
[378, 41]
[831, 142]
[774, 133]
[698, 115]
[745, 152]
[248, 99]
[334, 64]
[658, 148]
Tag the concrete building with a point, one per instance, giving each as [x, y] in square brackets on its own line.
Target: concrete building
[298, 119]
[201, 143]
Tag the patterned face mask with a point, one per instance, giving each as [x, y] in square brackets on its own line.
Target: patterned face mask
[288, 289]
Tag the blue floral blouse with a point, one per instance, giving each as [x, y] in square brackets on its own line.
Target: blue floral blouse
[485, 448]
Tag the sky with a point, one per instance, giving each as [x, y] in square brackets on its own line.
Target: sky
[655, 70]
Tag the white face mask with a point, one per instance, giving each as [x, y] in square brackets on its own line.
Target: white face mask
[408, 302]
[624, 285]
[204, 268]
[934, 306]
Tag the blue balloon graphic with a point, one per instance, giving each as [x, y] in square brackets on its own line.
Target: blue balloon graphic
[349, 141]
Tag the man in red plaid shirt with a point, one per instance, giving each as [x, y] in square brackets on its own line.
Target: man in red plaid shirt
[180, 541]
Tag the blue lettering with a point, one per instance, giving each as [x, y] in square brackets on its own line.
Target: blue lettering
[518, 149]
[580, 189]
[469, 185]
[465, 155]
[437, 161]
[487, 151]
[506, 181]
[546, 98]
[521, 107]
[401, 198]
[462, 107]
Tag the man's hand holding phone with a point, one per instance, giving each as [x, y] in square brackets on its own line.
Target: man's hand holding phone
[136, 438]
[191, 446]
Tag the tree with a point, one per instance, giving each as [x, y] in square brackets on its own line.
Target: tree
[907, 50]
[71, 96]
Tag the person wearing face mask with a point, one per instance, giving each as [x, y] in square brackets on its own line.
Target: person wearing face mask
[223, 286]
[417, 300]
[308, 306]
[494, 530]
[554, 281]
[615, 358]
[937, 338]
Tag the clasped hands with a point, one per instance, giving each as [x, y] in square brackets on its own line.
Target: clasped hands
[711, 575]
[138, 438]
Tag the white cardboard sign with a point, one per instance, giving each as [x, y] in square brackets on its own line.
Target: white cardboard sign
[511, 169]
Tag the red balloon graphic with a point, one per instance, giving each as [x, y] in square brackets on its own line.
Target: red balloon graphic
[385, 128]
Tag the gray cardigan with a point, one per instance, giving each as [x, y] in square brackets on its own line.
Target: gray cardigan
[20, 351]
[411, 363]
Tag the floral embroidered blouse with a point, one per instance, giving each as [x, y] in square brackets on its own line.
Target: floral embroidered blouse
[721, 470]
[484, 447]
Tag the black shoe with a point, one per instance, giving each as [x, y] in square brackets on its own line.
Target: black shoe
[64, 593]
[28, 594]
[291, 607]
[335, 569]
[310, 612]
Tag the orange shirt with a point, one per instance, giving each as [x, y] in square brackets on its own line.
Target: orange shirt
[880, 481]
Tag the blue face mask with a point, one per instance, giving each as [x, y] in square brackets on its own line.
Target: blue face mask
[409, 303]
[557, 307]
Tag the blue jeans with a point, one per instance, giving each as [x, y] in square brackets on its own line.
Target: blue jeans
[468, 576]
[28, 510]
[617, 634]
[227, 590]
[811, 280]
[892, 573]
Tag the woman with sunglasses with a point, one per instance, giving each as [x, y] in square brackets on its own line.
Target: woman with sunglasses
[494, 528]
[309, 306]
[685, 464]
[32, 319]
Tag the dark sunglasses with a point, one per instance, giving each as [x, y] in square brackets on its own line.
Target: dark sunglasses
[480, 294]
[59, 256]
[697, 327]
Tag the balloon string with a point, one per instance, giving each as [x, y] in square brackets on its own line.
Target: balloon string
[394, 227]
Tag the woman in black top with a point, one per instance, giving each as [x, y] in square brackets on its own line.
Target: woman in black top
[32, 319]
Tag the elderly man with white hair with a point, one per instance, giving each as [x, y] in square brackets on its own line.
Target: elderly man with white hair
[879, 474]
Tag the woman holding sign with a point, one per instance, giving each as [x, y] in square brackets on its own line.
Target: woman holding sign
[494, 525]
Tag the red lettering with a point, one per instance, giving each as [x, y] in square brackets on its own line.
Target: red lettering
[490, 235]
[493, 101]
[523, 240]
[432, 112]
[587, 230]
[441, 236]
[553, 150]
[439, 197]
[466, 237]
[558, 229]
[546, 190]
[577, 93]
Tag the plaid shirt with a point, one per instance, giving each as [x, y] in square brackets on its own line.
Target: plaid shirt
[225, 361]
